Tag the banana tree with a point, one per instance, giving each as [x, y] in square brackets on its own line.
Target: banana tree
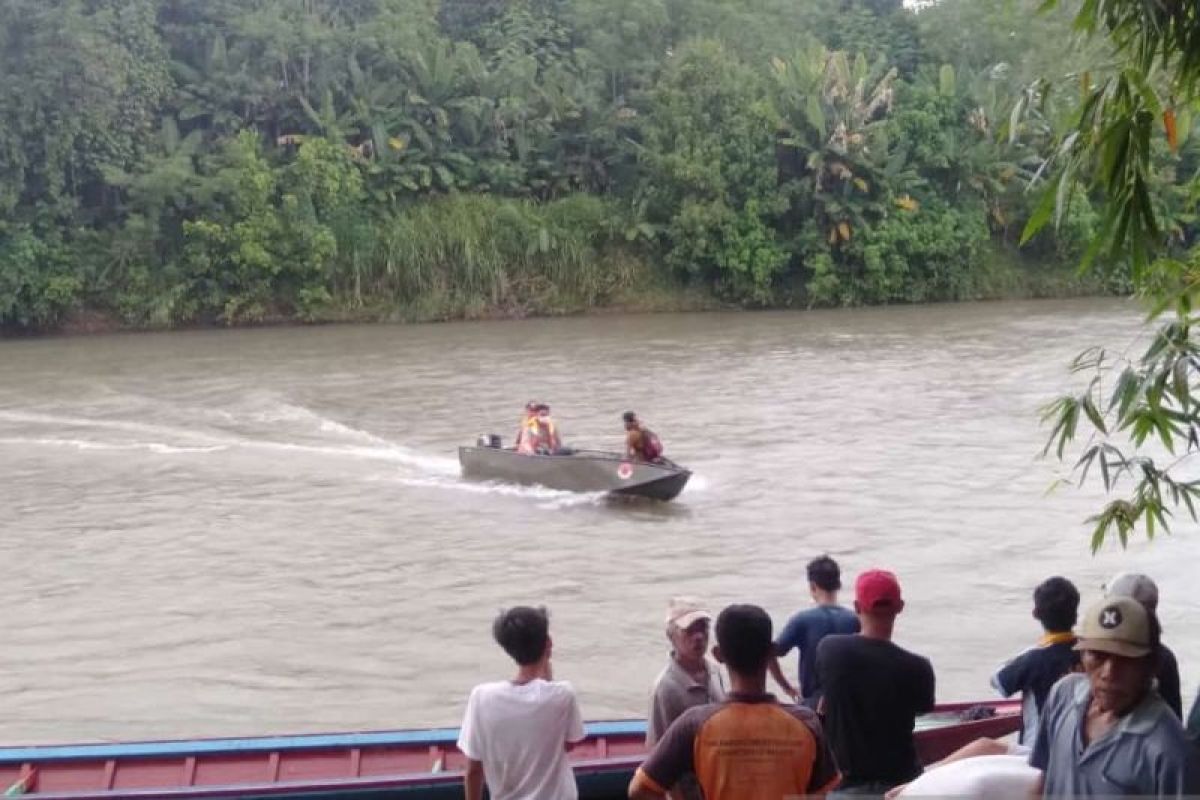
[832, 148]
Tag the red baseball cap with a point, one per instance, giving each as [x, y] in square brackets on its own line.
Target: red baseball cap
[877, 589]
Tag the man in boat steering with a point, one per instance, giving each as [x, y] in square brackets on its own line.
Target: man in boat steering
[641, 443]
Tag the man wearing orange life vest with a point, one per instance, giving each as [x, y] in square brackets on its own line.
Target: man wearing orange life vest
[522, 444]
[548, 441]
[539, 435]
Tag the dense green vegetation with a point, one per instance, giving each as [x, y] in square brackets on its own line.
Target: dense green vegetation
[1129, 144]
[168, 162]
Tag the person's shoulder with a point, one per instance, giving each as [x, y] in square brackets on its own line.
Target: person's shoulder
[800, 712]
[1067, 690]
[1167, 657]
[559, 689]
[904, 655]
[483, 693]
[803, 615]
[1164, 733]
[842, 611]
[694, 718]
[490, 688]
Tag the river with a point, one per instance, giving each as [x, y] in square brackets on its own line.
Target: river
[261, 531]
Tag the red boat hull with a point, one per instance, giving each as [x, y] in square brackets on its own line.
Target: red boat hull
[362, 765]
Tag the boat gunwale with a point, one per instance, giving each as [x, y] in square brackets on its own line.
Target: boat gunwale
[317, 741]
[582, 455]
[266, 744]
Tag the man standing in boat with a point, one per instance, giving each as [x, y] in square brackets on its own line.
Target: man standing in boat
[688, 680]
[515, 734]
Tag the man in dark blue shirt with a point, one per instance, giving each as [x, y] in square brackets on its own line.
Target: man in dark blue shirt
[1034, 671]
[805, 630]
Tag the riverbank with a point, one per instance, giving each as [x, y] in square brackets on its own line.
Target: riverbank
[634, 288]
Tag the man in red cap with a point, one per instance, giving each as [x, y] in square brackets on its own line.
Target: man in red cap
[874, 691]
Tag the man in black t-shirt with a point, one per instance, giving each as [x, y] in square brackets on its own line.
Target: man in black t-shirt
[874, 691]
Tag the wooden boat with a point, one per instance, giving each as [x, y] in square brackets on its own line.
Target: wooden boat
[576, 471]
[368, 766]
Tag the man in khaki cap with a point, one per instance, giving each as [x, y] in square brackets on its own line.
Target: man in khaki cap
[1107, 732]
[688, 680]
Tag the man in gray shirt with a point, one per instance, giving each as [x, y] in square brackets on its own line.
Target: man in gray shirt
[688, 680]
[1108, 732]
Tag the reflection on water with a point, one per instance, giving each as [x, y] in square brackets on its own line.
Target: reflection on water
[221, 532]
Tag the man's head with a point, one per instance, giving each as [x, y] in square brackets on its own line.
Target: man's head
[524, 633]
[1133, 584]
[688, 627]
[824, 575]
[543, 410]
[531, 408]
[1056, 604]
[744, 640]
[630, 419]
[877, 593]
[1119, 644]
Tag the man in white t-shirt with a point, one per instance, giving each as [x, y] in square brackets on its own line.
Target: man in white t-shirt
[516, 734]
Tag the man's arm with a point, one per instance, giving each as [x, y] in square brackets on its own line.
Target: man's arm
[779, 677]
[575, 732]
[670, 759]
[1009, 679]
[1168, 685]
[1193, 723]
[473, 780]
[928, 688]
[642, 788]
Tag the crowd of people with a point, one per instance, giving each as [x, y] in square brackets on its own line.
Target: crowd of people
[1101, 705]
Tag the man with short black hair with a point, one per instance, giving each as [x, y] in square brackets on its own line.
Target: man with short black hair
[750, 747]
[1107, 732]
[1034, 671]
[515, 733]
[641, 443]
[874, 691]
[1143, 589]
[805, 630]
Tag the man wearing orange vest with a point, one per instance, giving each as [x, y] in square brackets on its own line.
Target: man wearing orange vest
[750, 747]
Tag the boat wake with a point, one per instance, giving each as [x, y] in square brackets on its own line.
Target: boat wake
[265, 425]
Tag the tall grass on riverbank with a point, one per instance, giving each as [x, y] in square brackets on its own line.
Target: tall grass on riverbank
[470, 255]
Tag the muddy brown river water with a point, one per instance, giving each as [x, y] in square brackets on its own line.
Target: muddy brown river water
[240, 532]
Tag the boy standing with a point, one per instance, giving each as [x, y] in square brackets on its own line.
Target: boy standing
[1033, 672]
[515, 734]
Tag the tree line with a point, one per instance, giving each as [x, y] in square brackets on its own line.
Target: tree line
[167, 162]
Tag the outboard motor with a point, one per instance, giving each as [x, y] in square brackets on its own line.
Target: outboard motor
[494, 440]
